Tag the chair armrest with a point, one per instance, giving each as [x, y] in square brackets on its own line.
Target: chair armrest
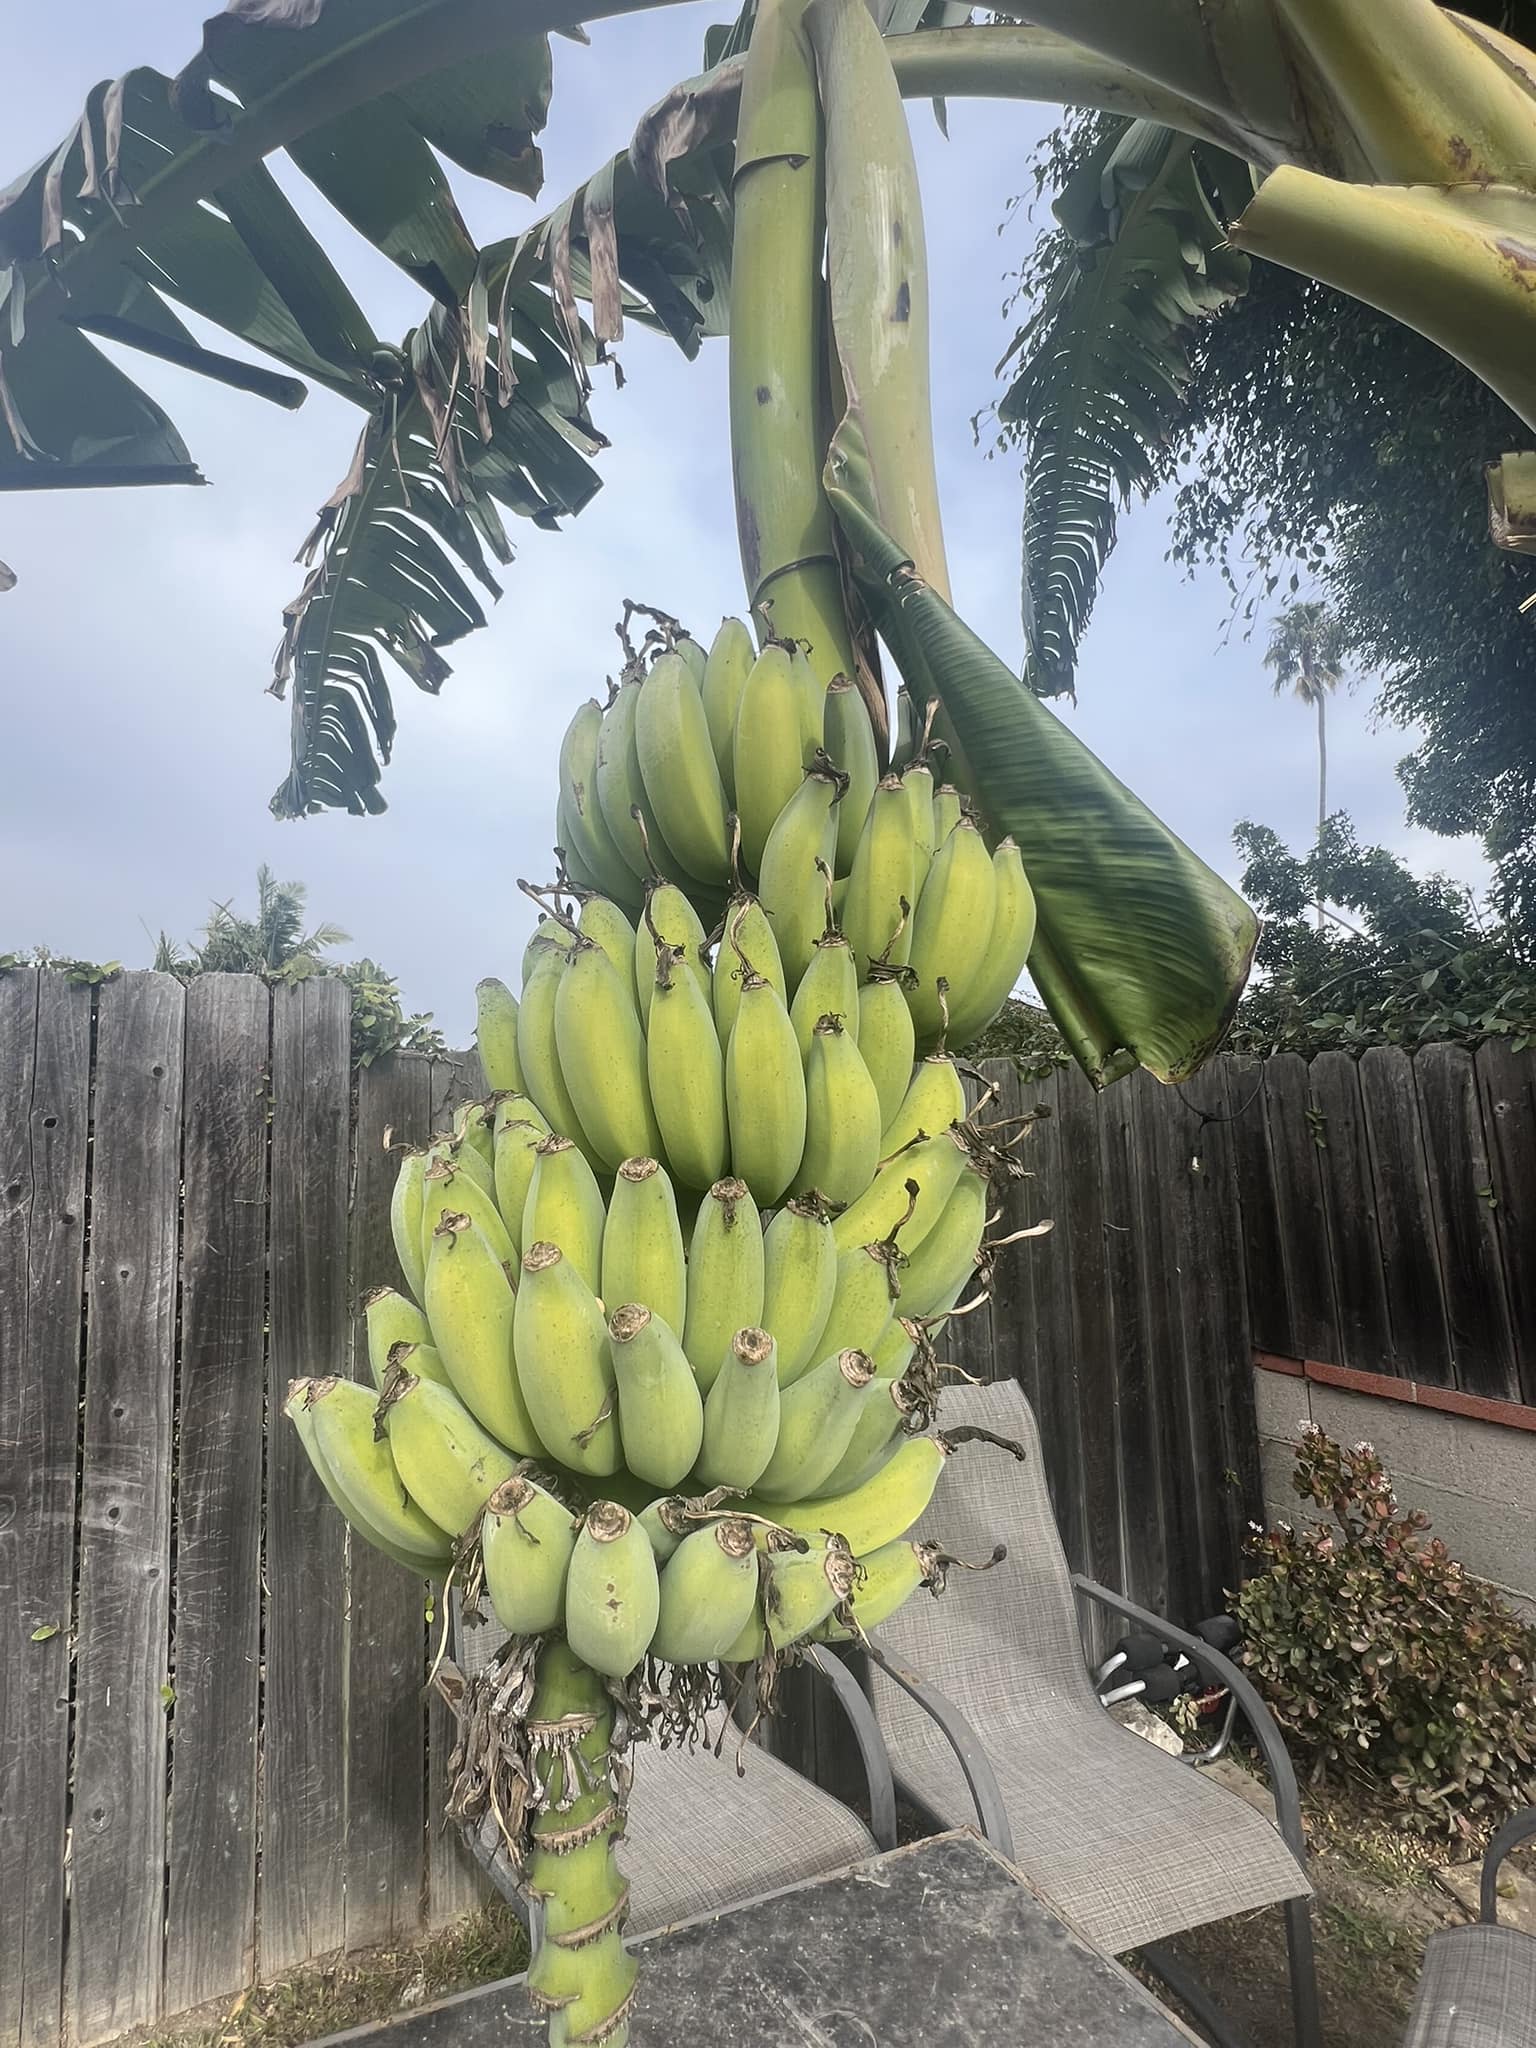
[874, 1756]
[1277, 1759]
[1520, 1827]
[980, 1778]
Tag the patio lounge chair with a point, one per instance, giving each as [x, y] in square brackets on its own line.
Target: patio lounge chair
[1004, 1727]
[700, 1838]
[1478, 1989]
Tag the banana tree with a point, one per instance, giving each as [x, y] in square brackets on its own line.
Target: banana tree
[773, 198]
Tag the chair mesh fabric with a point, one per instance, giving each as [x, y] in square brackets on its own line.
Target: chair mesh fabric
[1130, 1843]
[1478, 1990]
[700, 1838]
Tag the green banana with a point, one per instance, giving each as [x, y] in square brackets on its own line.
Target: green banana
[813, 700]
[560, 1341]
[451, 1188]
[390, 1319]
[566, 1207]
[731, 655]
[874, 1438]
[917, 781]
[799, 1281]
[886, 1039]
[931, 1166]
[519, 1128]
[573, 869]
[470, 1305]
[881, 889]
[934, 1099]
[665, 1523]
[661, 1416]
[612, 1593]
[677, 766]
[621, 789]
[606, 924]
[747, 937]
[602, 1057]
[405, 1205]
[802, 1589]
[741, 1415]
[873, 1513]
[888, 1578]
[842, 1117]
[904, 742]
[669, 919]
[496, 1035]
[952, 929]
[472, 1128]
[643, 1258]
[447, 1463]
[768, 751]
[864, 1299]
[751, 1643]
[526, 1540]
[817, 1416]
[297, 1408]
[972, 1008]
[725, 1276]
[938, 1271]
[685, 1068]
[464, 1157]
[708, 1594]
[948, 809]
[585, 825]
[764, 1090]
[801, 846]
[829, 987]
[694, 657]
[537, 1048]
[849, 738]
[548, 931]
[364, 1471]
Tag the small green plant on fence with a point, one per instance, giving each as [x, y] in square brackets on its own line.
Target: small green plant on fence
[1381, 1656]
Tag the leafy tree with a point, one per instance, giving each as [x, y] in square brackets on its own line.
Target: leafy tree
[1415, 960]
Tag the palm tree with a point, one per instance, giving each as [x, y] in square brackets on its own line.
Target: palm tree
[1306, 656]
[271, 940]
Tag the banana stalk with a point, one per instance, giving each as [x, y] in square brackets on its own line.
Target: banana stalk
[777, 348]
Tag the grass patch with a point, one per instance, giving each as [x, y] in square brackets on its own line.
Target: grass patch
[354, 1990]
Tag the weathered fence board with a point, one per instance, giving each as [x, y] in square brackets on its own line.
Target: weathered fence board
[45, 1094]
[1462, 1199]
[1410, 1256]
[304, 1753]
[252, 1777]
[1354, 1238]
[122, 1656]
[1506, 1082]
[210, 1934]
[386, 1719]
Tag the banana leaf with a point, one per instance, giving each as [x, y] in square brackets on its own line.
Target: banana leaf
[1141, 951]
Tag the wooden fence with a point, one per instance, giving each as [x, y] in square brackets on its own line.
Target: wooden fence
[215, 1758]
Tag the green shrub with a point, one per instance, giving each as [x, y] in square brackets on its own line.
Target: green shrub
[1380, 1655]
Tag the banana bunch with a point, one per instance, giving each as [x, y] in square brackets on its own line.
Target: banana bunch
[662, 1427]
[708, 770]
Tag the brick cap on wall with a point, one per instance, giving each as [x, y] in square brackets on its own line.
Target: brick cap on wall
[1509, 1414]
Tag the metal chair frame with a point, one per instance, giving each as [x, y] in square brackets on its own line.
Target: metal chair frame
[981, 1779]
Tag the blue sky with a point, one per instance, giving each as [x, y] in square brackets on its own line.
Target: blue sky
[134, 652]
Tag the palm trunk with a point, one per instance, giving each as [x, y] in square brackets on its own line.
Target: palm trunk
[1322, 794]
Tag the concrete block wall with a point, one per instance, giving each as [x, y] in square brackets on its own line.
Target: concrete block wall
[1475, 1480]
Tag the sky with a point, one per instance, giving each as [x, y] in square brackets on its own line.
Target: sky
[135, 649]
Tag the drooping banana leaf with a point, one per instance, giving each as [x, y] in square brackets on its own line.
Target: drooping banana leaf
[1141, 950]
[1102, 363]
